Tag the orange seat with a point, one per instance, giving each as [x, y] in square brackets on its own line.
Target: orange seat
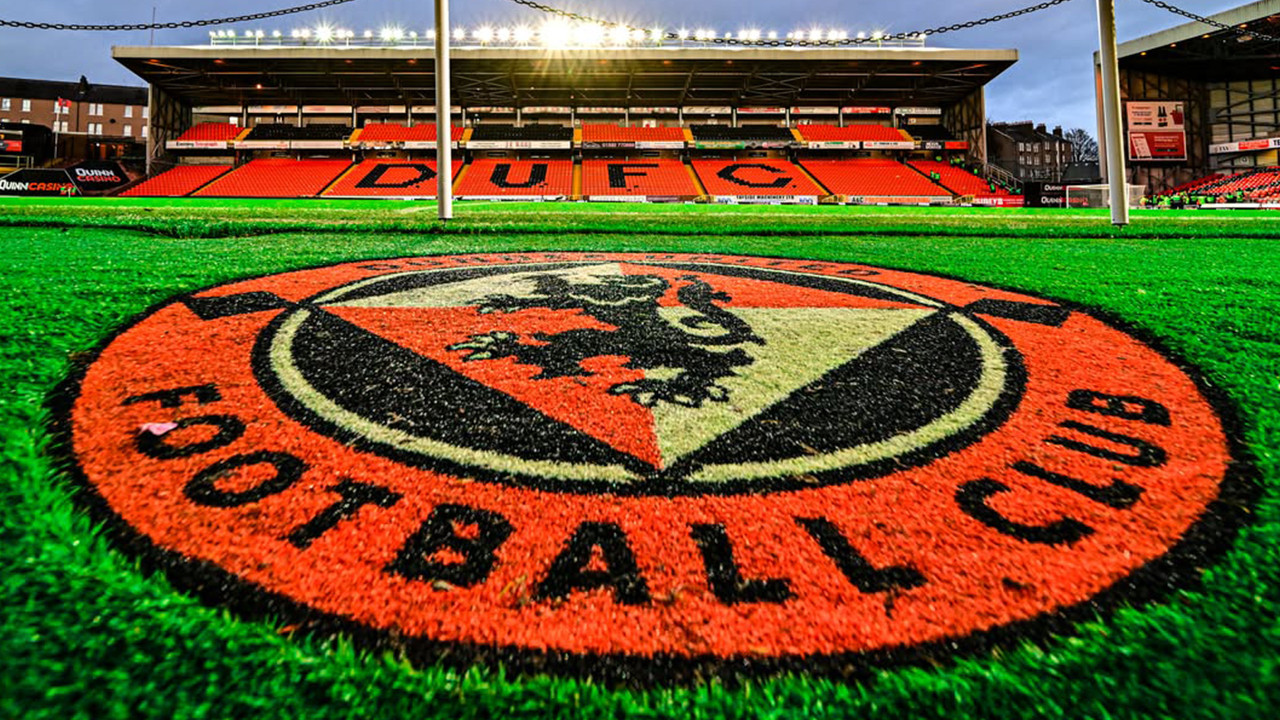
[492, 178]
[871, 177]
[181, 180]
[763, 177]
[643, 178]
[274, 177]
[390, 177]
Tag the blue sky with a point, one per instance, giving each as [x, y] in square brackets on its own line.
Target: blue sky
[1052, 83]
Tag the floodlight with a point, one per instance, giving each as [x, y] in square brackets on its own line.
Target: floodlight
[619, 35]
[484, 34]
[683, 34]
[276, 33]
[504, 35]
[324, 34]
[459, 34]
[555, 34]
[773, 34]
[523, 34]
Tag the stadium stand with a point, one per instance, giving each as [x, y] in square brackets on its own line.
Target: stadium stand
[282, 131]
[533, 133]
[273, 177]
[619, 134]
[749, 133]
[389, 177]
[958, 180]
[638, 178]
[210, 132]
[1194, 185]
[385, 132]
[873, 178]
[504, 178]
[755, 177]
[930, 132]
[1253, 184]
[849, 133]
[181, 180]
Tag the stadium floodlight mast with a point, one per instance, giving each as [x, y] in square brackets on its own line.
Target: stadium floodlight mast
[444, 103]
[1112, 130]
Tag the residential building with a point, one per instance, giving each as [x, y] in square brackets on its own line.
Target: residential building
[1029, 151]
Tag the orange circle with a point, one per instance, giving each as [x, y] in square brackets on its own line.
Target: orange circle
[1107, 458]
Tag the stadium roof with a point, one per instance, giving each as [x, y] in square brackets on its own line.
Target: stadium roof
[1201, 52]
[523, 77]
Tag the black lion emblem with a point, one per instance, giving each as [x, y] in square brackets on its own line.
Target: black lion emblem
[684, 362]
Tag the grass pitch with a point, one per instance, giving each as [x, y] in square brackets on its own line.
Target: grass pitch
[88, 633]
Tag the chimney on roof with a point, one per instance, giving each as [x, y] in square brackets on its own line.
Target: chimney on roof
[1057, 131]
[1040, 129]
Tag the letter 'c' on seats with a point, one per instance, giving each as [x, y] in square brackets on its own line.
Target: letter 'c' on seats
[730, 173]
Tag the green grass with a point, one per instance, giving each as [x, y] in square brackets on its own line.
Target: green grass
[85, 633]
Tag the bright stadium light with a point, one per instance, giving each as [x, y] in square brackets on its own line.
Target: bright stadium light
[773, 34]
[459, 34]
[368, 34]
[619, 35]
[555, 34]
[484, 34]
[523, 34]
[656, 34]
[682, 34]
[324, 34]
[431, 34]
[503, 35]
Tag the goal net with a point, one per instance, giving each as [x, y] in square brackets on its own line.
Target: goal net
[1099, 196]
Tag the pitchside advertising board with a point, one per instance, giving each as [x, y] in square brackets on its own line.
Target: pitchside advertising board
[1157, 130]
[85, 178]
[639, 464]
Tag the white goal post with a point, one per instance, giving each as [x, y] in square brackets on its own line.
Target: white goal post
[1099, 196]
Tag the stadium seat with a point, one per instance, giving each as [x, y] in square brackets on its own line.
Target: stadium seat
[181, 180]
[872, 178]
[759, 177]
[641, 178]
[389, 177]
[749, 133]
[849, 133]
[494, 178]
[619, 134]
[282, 131]
[210, 132]
[958, 180]
[385, 132]
[274, 177]
[532, 133]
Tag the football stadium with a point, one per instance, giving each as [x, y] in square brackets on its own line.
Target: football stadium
[724, 374]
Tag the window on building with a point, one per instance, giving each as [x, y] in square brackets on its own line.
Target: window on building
[65, 126]
[26, 121]
[6, 104]
[144, 131]
[128, 111]
[26, 106]
[128, 131]
[146, 112]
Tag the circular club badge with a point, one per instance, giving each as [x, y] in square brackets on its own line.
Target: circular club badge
[648, 458]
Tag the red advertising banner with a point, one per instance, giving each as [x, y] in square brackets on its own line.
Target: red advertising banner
[1161, 145]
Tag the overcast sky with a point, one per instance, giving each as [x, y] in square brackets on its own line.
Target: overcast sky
[1052, 83]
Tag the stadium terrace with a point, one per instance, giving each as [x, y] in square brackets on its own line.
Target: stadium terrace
[572, 113]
